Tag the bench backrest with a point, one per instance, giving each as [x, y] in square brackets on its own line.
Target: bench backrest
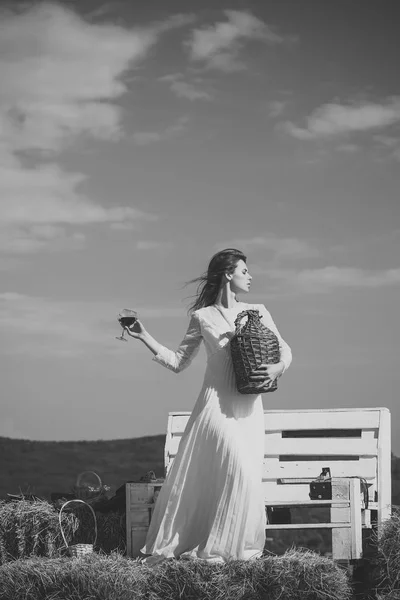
[299, 443]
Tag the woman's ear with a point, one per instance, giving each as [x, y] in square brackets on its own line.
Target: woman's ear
[228, 276]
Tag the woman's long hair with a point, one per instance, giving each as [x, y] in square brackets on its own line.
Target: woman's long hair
[209, 282]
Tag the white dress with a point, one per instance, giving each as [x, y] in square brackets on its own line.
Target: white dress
[211, 505]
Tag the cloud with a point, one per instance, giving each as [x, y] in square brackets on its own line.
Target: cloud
[144, 138]
[348, 148]
[176, 21]
[218, 46]
[20, 240]
[330, 120]
[323, 280]
[61, 74]
[185, 89]
[61, 78]
[279, 248]
[41, 208]
[389, 145]
[43, 327]
[153, 245]
[276, 108]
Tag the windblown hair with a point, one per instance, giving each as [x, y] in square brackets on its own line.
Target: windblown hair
[209, 282]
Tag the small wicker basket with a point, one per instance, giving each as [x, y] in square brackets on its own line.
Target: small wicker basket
[252, 345]
[78, 550]
[84, 491]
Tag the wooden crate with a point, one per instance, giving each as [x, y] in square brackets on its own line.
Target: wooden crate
[140, 502]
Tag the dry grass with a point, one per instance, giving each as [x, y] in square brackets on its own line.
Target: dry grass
[32, 529]
[388, 558]
[297, 575]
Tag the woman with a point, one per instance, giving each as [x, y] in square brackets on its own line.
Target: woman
[211, 505]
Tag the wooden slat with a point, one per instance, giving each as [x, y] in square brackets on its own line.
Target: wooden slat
[296, 503]
[355, 518]
[384, 469]
[274, 492]
[167, 445]
[310, 526]
[300, 419]
[139, 516]
[274, 469]
[274, 444]
[324, 419]
[341, 539]
[177, 422]
[289, 493]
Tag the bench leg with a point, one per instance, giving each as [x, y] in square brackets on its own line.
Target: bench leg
[347, 541]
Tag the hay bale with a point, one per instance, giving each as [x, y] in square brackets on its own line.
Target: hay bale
[388, 557]
[32, 529]
[297, 575]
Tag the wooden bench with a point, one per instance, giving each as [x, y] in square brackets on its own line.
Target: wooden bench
[353, 443]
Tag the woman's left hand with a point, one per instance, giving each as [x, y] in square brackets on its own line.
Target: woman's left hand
[267, 372]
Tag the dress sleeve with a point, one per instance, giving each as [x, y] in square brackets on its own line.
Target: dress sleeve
[187, 350]
[286, 352]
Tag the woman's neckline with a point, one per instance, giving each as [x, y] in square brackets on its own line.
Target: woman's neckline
[234, 307]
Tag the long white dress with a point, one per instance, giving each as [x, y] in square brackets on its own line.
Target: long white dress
[211, 505]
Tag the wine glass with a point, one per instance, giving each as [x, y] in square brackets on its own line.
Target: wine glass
[126, 318]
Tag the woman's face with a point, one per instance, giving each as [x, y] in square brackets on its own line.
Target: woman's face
[240, 278]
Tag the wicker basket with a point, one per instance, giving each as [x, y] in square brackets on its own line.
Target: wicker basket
[252, 345]
[78, 550]
[85, 491]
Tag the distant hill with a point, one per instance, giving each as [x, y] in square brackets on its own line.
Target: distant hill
[41, 468]
[44, 467]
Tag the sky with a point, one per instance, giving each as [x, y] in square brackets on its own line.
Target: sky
[136, 140]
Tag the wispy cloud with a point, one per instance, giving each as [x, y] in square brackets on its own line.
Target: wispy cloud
[323, 280]
[144, 138]
[330, 120]
[44, 327]
[218, 46]
[41, 208]
[389, 145]
[276, 108]
[25, 240]
[273, 257]
[153, 245]
[176, 21]
[185, 89]
[278, 248]
[61, 77]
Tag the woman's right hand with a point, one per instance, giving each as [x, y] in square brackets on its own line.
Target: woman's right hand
[136, 330]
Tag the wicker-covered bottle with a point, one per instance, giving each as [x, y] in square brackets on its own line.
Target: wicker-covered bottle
[252, 345]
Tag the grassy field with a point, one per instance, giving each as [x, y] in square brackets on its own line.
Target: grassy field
[41, 468]
[44, 467]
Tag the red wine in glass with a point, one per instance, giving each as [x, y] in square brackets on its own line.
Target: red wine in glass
[126, 318]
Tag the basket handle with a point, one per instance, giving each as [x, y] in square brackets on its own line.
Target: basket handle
[94, 517]
[251, 313]
[78, 479]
